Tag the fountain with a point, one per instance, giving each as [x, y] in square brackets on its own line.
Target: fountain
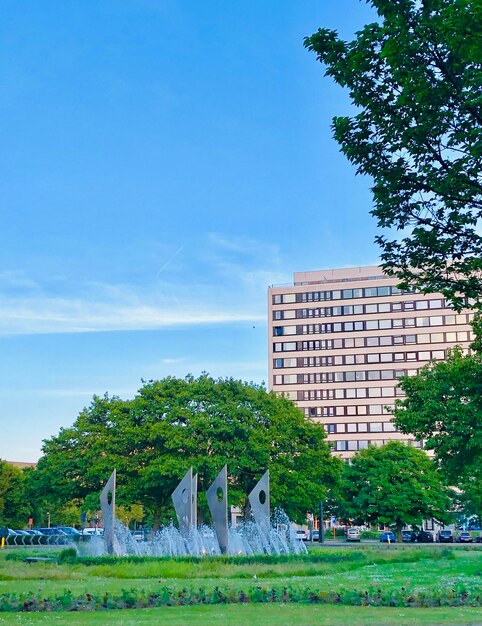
[264, 534]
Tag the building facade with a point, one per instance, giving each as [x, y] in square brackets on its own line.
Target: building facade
[340, 339]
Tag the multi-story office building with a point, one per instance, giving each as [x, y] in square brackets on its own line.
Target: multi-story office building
[340, 339]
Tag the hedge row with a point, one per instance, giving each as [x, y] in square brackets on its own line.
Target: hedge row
[166, 596]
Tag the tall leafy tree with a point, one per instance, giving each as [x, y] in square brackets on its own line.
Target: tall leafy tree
[172, 424]
[395, 485]
[443, 406]
[14, 508]
[415, 79]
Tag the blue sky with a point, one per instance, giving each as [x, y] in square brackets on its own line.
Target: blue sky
[162, 162]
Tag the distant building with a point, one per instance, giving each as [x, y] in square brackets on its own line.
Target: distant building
[340, 339]
[21, 464]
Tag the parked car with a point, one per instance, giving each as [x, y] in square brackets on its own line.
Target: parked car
[445, 536]
[53, 530]
[12, 537]
[388, 537]
[352, 534]
[464, 537]
[478, 539]
[90, 532]
[424, 536]
[54, 535]
[35, 537]
[409, 536]
[71, 532]
[138, 535]
[315, 535]
[301, 535]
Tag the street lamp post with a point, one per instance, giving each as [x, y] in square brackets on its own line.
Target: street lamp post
[48, 520]
[321, 538]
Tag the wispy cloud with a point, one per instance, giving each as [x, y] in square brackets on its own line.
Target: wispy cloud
[44, 315]
[224, 282]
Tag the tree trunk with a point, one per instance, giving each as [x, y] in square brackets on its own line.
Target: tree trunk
[156, 518]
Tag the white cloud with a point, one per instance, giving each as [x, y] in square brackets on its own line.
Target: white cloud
[56, 315]
[222, 281]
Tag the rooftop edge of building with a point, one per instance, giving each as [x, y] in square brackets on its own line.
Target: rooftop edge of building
[339, 275]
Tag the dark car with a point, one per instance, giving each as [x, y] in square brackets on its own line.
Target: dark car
[54, 536]
[53, 530]
[408, 536]
[445, 536]
[465, 537]
[36, 537]
[478, 539]
[388, 537]
[71, 532]
[424, 537]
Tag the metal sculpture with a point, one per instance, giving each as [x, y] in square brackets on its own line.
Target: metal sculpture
[182, 498]
[259, 501]
[107, 505]
[194, 502]
[217, 497]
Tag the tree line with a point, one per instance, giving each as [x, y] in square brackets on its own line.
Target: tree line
[173, 424]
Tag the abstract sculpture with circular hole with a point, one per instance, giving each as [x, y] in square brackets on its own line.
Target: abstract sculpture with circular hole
[264, 533]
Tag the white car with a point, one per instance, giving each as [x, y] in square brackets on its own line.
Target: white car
[301, 535]
[352, 534]
[90, 532]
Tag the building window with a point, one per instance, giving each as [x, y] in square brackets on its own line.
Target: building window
[289, 298]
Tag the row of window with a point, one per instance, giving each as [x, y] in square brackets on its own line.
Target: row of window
[337, 294]
[384, 324]
[361, 427]
[372, 342]
[341, 377]
[341, 411]
[347, 393]
[359, 309]
[358, 359]
[343, 446]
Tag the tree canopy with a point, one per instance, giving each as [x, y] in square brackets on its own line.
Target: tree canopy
[443, 406]
[395, 485]
[415, 80]
[14, 507]
[172, 424]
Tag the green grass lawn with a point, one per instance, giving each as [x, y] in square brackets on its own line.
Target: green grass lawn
[414, 568]
[271, 615]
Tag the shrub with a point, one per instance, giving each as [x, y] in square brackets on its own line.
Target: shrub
[394, 596]
[69, 555]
